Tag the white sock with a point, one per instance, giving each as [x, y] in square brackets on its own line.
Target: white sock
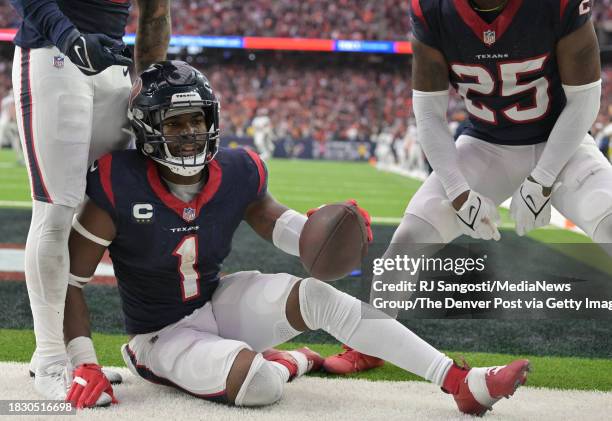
[302, 362]
[390, 340]
[46, 270]
[373, 333]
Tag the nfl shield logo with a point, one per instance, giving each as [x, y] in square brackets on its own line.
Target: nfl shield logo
[489, 37]
[189, 214]
[58, 62]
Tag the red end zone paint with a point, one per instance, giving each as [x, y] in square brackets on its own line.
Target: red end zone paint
[15, 273]
[20, 276]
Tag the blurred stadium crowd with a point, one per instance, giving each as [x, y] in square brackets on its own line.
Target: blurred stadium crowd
[340, 19]
[317, 96]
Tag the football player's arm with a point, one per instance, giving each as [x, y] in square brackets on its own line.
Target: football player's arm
[580, 71]
[430, 84]
[153, 33]
[48, 19]
[277, 223]
[92, 231]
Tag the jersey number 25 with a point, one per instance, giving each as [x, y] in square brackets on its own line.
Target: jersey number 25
[508, 84]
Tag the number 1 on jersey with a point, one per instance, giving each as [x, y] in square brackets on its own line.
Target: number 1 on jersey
[187, 253]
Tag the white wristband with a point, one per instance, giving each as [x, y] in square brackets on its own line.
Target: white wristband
[81, 351]
[78, 281]
[287, 230]
[91, 237]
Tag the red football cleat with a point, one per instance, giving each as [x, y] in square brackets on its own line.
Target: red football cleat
[476, 389]
[315, 361]
[350, 361]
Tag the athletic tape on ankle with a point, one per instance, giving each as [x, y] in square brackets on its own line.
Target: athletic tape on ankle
[91, 237]
[81, 351]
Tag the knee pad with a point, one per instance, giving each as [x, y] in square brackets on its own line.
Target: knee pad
[603, 233]
[324, 307]
[263, 384]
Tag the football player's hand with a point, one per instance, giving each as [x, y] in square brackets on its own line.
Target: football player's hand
[364, 214]
[530, 207]
[93, 53]
[478, 217]
[88, 383]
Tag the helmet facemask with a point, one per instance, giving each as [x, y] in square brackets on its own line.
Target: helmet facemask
[185, 153]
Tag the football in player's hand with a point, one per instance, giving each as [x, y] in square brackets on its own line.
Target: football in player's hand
[333, 241]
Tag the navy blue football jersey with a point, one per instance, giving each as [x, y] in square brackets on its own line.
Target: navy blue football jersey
[167, 254]
[48, 22]
[506, 71]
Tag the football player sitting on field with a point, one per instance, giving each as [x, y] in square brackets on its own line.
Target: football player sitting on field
[167, 213]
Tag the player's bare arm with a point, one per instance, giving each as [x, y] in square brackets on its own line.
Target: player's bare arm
[85, 255]
[153, 33]
[93, 229]
[262, 215]
[578, 57]
[429, 68]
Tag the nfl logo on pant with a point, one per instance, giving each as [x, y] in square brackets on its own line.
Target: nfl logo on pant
[58, 62]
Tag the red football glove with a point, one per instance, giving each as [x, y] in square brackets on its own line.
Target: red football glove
[364, 214]
[87, 385]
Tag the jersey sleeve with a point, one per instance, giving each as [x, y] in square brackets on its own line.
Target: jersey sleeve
[257, 175]
[46, 17]
[574, 14]
[99, 185]
[421, 28]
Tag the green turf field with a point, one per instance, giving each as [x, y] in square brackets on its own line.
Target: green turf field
[551, 372]
[303, 184]
[306, 184]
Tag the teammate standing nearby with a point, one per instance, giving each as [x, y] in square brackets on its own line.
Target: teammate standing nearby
[529, 73]
[71, 83]
[167, 213]
[263, 134]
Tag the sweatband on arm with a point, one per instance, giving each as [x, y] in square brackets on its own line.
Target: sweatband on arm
[287, 230]
[435, 138]
[78, 281]
[91, 237]
[568, 132]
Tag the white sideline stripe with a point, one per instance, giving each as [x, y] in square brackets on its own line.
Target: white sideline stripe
[12, 260]
[313, 398]
[15, 204]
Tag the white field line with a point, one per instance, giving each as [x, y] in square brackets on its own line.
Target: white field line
[15, 204]
[314, 398]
